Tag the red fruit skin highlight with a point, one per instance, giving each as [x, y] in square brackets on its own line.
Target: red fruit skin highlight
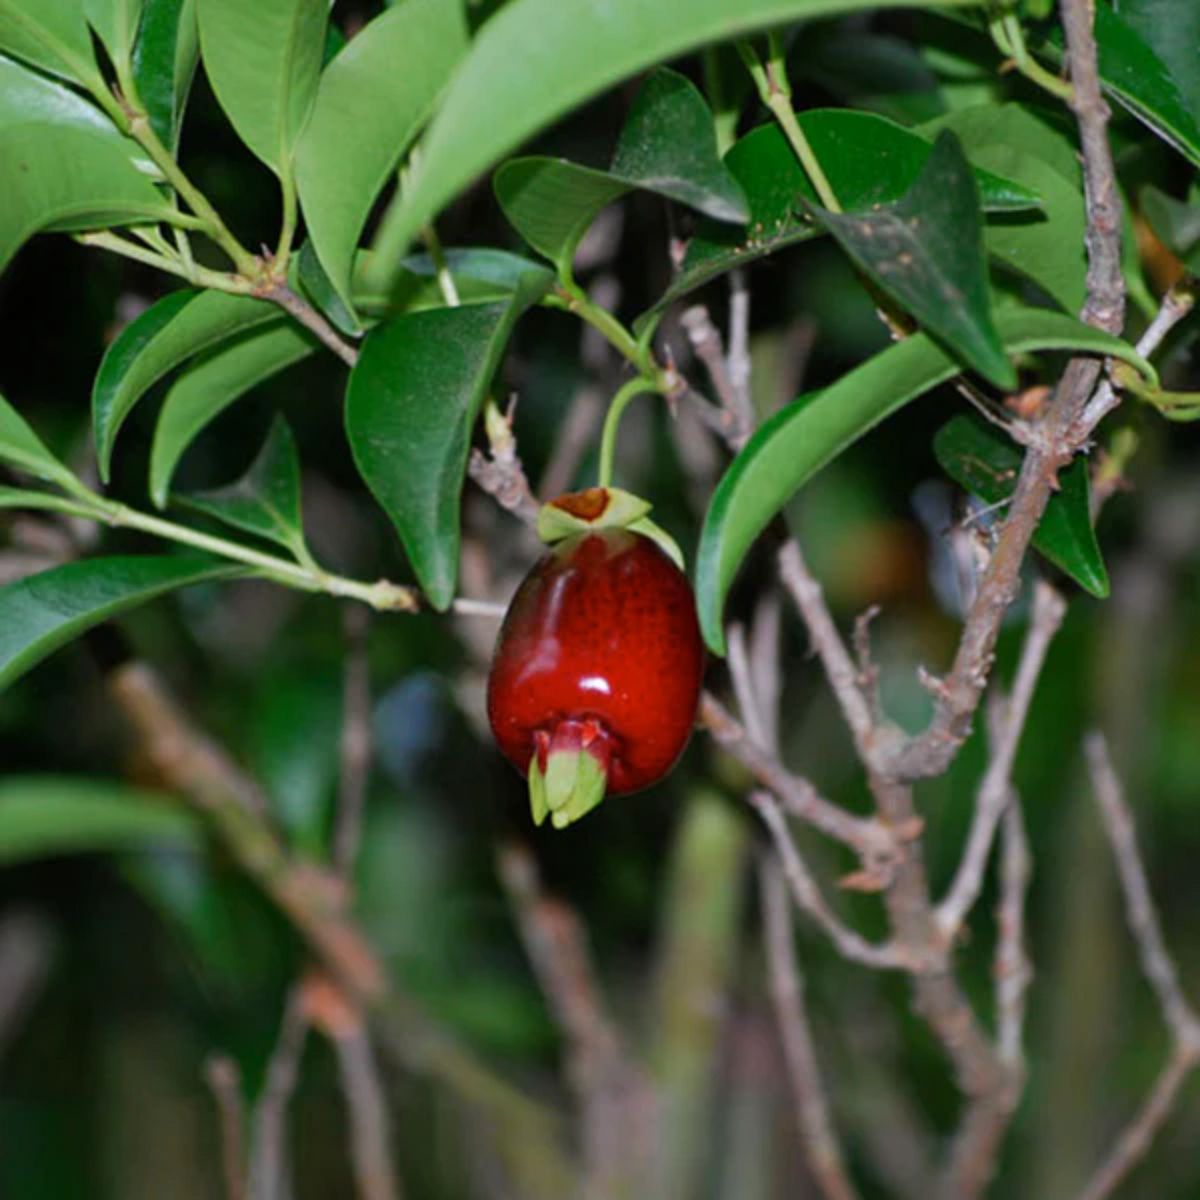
[601, 650]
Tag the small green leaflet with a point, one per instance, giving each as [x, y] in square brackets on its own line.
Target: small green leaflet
[21, 448]
[984, 461]
[800, 439]
[41, 613]
[164, 63]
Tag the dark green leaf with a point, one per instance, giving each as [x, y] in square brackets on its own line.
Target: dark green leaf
[1172, 31]
[410, 408]
[263, 61]
[668, 145]
[20, 447]
[178, 327]
[43, 816]
[266, 500]
[1046, 247]
[164, 63]
[986, 463]
[40, 613]
[207, 388]
[534, 61]
[1132, 73]
[52, 35]
[868, 160]
[318, 287]
[551, 203]
[68, 178]
[29, 98]
[800, 439]
[371, 101]
[1176, 223]
[926, 251]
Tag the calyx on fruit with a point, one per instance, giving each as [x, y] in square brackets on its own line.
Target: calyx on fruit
[597, 671]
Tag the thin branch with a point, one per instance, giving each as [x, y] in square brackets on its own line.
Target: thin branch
[499, 472]
[738, 360]
[270, 1176]
[1013, 971]
[868, 837]
[356, 741]
[613, 1096]
[807, 894]
[224, 1081]
[1049, 607]
[817, 1134]
[368, 1110]
[303, 312]
[736, 415]
[1159, 969]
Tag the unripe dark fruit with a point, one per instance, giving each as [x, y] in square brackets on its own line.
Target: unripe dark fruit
[597, 671]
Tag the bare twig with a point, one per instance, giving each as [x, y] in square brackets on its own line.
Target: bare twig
[370, 1131]
[736, 416]
[613, 1097]
[295, 306]
[27, 953]
[224, 1081]
[500, 473]
[1048, 610]
[817, 1134]
[1013, 971]
[739, 345]
[1159, 969]
[270, 1174]
[808, 896]
[355, 746]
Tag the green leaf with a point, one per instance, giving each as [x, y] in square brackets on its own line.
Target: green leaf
[368, 108]
[1132, 73]
[534, 61]
[668, 145]
[799, 440]
[1176, 223]
[263, 61]
[551, 203]
[176, 328]
[20, 447]
[316, 285]
[984, 461]
[164, 64]
[68, 179]
[44, 816]
[41, 613]
[926, 251]
[210, 386]
[52, 35]
[28, 98]
[266, 500]
[1172, 31]
[850, 147]
[410, 407]
[115, 23]
[1045, 247]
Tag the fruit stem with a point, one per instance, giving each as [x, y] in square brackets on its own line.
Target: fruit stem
[620, 402]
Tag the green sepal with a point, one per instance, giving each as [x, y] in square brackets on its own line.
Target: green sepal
[594, 508]
[573, 784]
[660, 537]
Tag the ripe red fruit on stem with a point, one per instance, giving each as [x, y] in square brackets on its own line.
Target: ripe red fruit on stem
[597, 671]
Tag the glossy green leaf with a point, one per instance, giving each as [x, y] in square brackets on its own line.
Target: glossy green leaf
[164, 63]
[799, 440]
[1133, 74]
[68, 179]
[21, 448]
[868, 160]
[27, 97]
[410, 408]
[368, 108]
[316, 285]
[1172, 31]
[1176, 223]
[52, 35]
[551, 203]
[207, 388]
[44, 816]
[115, 23]
[1046, 247]
[263, 61]
[176, 328]
[534, 61]
[668, 145]
[41, 613]
[984, 461]
[926, 251]
[266, 500]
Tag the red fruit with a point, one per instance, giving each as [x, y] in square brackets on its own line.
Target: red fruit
[596, 677]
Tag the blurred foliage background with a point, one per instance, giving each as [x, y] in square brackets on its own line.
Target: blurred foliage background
[120, 975]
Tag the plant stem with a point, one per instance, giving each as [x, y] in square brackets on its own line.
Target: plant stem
[199, 276]
[445, 277]
[1006, 31]
[571, 297]
[620, 402]
[776, 93]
